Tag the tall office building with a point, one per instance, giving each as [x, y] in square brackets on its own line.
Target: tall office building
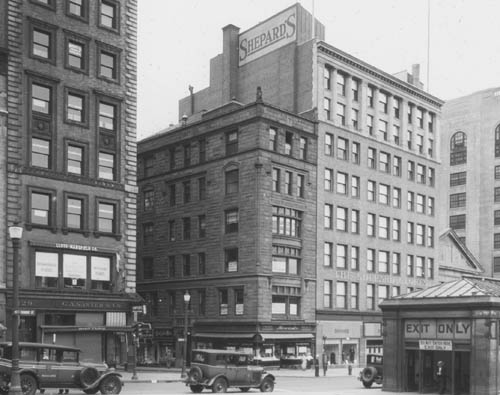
[470, 146]
[377, 139]
[67, 122]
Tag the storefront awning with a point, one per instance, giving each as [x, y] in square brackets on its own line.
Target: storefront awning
[57, 328]
[222, 335]
[284, 336]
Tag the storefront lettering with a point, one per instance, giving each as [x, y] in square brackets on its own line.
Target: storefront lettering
[89, 305]
[381, 278]
[438, 329]
[417, 328]
[76, 247]
[453, 328]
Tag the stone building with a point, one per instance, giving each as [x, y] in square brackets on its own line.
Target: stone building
[67, 123]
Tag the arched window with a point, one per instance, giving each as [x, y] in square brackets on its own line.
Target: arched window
[458, 149]
[497, 142]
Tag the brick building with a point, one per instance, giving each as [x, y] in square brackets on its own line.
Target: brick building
[377, 165]
[470, 146]
[67, 123]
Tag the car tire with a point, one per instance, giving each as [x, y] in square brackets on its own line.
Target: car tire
[267, 385]
[196, 388]
[369, 374]
[29, 384]
[367, 384]
[110, 385]
[88, 376]
[195, 373]
[219, 385]
[244, 389]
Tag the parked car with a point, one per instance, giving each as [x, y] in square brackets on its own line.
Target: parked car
[52, 366]
[373, 372]
[220, 369]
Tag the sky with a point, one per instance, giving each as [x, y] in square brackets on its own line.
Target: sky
[177, 39]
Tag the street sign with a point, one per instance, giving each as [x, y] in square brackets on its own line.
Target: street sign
[24, 312]
[137, 309]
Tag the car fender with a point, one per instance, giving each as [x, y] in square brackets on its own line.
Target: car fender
[211, 381]
[268, 375]
[102, 377]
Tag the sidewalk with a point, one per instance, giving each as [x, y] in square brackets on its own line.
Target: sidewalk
[164, 375]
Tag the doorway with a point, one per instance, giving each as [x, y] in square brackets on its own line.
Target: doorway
[412, 370]
[461, 372]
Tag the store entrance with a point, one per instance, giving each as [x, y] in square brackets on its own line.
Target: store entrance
[412, 370]
[461, 372]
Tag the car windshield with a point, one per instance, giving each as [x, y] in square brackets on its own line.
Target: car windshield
[374, 359]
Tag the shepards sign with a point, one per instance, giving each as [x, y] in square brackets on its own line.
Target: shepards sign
[268, 36]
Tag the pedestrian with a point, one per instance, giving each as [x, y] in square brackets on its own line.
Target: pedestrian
[325, 364]
[303, 362]
[441, 376]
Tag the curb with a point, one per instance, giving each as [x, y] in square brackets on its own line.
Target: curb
[153, 381]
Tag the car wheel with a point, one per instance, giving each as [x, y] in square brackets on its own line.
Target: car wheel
[88, 376]
[28, 384]
[195, 373]
[244, 389]
[367, 384]
[219, 385]
[369, 373]
[110, 385]
[196, 388]
[267, 385]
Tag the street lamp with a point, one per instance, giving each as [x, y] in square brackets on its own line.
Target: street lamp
[187, 298]
[15, 232]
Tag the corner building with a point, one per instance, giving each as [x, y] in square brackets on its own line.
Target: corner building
[377, 166]
[67, 117]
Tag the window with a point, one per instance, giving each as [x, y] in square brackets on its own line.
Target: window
[286, 221]
[342, 148]
[202, 261]
[202, 150]
[171, 230]
[420, 174]
[396, 263]
[327, 294]
[148, 199]
[340, 114]
[42, 45]
[40, 153]
[327, 105]
[497, 141]
[223, 301]
[239, 301]
[276, 179]
[420, 118]
[202, 188]
[285, 301]
[370, 93]
[372, 185]
[106, 169]
[457, 200]
[409, 265]
[431, 176]
[76, 55]
[382, 130]
[286, 260]
[431, 122]
[231, 220]
[41, 210]
[383, 194]
[396, 134]
[109, 14]
[355, 221]
[288, 143]
[355, 153]
[328, 179]
[430, 236]
[288, 182]
[147, 268]
[231, 260]
[420, 235]
[430, 268]
[372, 158]
[396, 197]
[369, 124]
[75, 110]
[77, 8]
[497, 217]
[341, 84]
[172, 195]
[411, 201]
[106, 217]
[497, 195]
[342, 219]
[409, 139]
[355, 118]
[328, 144]
[458, 149]
[370, 296]
[430, 147]
[354, 296]
[187, 155]
[430, 205]
[396, 229]
[148, 232]
[370, 225]
[355, 192]
[186, 265]
[341, 295]
[328, 215]
[41, 99]
[496, 241]
[108, 62]
[231, 143]
[328, 254]
[74, 213]
[383, 292]
[342, 183]
[303, 148]
[419, 268]
[411, 170]
[420, 204]
[460, 178]
[410, 113]
[300, 185]
[396, 102]
[341, 261]
[171, 155]
[382, 98]
[327, 75]
[186, 228]
[149, 165]
[202, 226]
[410, 232]
[107, 116]
[355, 89]
[457, 221]
[74, 159]
[232, 181]
[354, 258]
[383, 227]
[383, 261]
[384, 162]
[370, 260]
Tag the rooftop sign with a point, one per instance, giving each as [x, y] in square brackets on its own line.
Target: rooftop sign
[268, 36]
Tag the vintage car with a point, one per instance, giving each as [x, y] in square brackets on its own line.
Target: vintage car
[220, 369]
[372, 373]
[53, 366]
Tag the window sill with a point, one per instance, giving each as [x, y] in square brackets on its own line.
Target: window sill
[98, 234]
[29, 226]
[110, 80]
[85, 232]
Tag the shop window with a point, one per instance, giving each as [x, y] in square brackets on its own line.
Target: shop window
[46, 269]
[74, 270]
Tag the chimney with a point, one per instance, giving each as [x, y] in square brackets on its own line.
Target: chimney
[415, 74]
[230, 62]
[191, 94]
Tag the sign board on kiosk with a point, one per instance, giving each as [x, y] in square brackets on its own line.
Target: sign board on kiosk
[438, 329]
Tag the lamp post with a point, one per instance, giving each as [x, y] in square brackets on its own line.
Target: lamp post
[15, 232]
[187, 298]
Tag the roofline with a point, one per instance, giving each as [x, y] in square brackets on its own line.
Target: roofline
[441, 302]
[462, 246]
[271, 17]
[476, 93]
[367, 68]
